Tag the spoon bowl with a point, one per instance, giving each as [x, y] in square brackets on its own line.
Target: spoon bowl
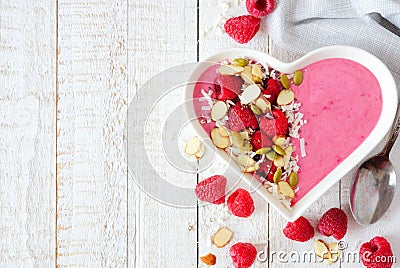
[373, 189]
[374, 184]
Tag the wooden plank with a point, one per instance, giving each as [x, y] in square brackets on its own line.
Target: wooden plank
[255, 228]
[161, 34]
[27, 133]
[92, 102]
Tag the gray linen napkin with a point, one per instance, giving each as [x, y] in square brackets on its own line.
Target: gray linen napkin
[304, 25]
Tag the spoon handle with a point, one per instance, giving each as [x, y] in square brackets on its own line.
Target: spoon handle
[393, 136]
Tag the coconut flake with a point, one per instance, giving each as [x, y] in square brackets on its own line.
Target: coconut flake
[288, 107]
[273, 74]
[302, 148]
[207, 97]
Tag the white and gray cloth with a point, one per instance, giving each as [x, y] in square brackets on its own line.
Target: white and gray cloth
[373, 25]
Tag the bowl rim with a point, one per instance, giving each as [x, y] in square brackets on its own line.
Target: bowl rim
[385, 121]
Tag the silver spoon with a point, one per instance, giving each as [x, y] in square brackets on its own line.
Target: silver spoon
[374, 184]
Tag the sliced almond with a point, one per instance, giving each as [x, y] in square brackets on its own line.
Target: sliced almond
[285, 97]
[247, 147]
[329, 262]
[288, 154]
[321, 249]
[250, 93]
[237, 139]
[222, 237]
[251, 169]
[209, 259]
[334, 247]
[246, 75]
[219, 140]
[218, 111]
[245, 161]
[199, 154]
[223, 131]
[263, 104]
[193, 145]
[230, 69]
[245, 134]
[285, 189]
[334, 253]
[279, 161]
[279, 140]
[257, 74]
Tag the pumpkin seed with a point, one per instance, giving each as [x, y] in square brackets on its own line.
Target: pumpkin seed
[271, 155]
[278, 149]
[293, 179]
[298, 77]
[277, 175]
[255, 109]
[240, 62]
[263, 150]
[285, 81]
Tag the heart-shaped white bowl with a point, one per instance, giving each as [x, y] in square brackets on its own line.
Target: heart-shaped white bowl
[389, 98]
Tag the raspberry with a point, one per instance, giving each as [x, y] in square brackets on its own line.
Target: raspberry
[272, 90]
[240, 203]
[241, 117]
[271, 172]
[377, 253]
[243, 28]
[260, 8]
[300, 230]
[267, 126]
[227, 87]
[260, 140]
[281, 122]
[243, 254]
[267, 170]
[333, 222]
[212, 189]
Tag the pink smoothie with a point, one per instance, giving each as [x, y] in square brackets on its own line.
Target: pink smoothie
[341, 101]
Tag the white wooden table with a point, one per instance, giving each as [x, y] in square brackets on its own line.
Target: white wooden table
[68, 69]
